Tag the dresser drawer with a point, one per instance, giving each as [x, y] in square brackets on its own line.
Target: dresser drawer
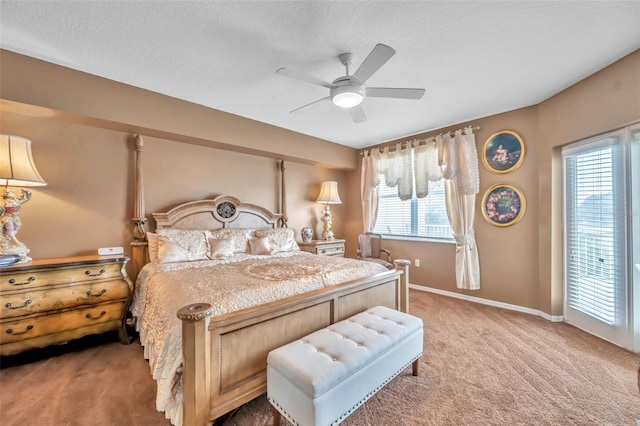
[12, 280]
[324, 247]
[330, 250]
[42, 300]
[13, 331]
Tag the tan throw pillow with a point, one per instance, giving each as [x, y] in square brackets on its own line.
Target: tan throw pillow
[220, 248]
[259, 246]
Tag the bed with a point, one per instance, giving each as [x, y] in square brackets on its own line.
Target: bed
[207, 324]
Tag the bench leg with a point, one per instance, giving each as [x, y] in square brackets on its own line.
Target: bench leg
[276, 416]
[416, 363]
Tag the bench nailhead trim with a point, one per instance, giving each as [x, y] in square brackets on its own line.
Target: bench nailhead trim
[371, 393]
[352, 409]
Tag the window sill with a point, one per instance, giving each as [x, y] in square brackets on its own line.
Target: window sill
[417, 239]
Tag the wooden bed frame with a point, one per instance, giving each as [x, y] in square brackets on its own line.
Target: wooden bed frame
[224, 357]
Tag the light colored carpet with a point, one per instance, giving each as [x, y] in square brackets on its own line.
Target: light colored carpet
[482, 366]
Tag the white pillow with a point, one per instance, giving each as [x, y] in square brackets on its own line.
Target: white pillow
[152, 244]
[170, 251]
[220, 248]
[259, 246]
[194, 241]
[280, 239]
[238, 236]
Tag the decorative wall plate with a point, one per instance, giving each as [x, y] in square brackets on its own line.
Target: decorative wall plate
[503, 152]
[503, 205]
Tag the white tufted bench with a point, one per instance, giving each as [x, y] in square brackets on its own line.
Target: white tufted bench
[323, 377]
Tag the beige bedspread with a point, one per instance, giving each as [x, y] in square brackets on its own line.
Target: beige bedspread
[239, 282]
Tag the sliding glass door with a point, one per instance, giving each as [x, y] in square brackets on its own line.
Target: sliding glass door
[601, 248]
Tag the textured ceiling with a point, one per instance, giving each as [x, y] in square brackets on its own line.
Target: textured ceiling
[474, 58]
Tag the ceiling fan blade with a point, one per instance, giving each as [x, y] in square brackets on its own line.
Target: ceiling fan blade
[303, 77]
[377, 58]
[394, 92]
[357, 114]
[307, 106]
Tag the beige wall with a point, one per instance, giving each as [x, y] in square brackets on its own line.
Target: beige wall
[508, 257]
[607, 100]
[85, 152]
[522, 264]
[82, 128]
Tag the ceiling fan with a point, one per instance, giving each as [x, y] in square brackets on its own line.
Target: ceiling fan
[349, 91]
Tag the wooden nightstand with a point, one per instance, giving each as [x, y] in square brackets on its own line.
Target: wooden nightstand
[52, 301]
[324, 247]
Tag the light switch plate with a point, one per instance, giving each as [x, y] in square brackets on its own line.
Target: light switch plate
[103, 251]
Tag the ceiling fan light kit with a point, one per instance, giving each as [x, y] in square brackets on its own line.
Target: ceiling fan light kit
[349, 91]
[348, 95]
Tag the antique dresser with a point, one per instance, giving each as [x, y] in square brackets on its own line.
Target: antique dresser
[52, 301]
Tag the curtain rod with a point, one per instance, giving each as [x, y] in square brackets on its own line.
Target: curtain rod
[391, 146]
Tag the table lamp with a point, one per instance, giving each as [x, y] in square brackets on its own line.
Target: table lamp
[16, 169]
[328, 195]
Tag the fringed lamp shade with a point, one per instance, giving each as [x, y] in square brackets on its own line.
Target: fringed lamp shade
[16, 169]
[16, 163]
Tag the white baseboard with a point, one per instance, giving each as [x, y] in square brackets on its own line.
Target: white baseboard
[552, 318]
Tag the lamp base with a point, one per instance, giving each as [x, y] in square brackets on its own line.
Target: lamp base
[20, 250]
[327, 233]
[10, 224]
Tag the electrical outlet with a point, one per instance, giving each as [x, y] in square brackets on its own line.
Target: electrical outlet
[417, 263]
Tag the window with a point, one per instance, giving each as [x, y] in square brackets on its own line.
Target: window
[600, 178]
[418, 218]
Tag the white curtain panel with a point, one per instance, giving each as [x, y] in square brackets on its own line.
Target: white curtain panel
[462, 183]
[369, 188]
[454, 158]
[397, 170]
[425, 166]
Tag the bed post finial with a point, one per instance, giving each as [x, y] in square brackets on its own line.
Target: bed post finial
[139, 243]
[139, 219]
[283, 197]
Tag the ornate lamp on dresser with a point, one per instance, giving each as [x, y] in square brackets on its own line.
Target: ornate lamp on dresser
[52, 301]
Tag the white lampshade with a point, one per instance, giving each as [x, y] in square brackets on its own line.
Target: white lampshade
[16, 163]
[329, 193]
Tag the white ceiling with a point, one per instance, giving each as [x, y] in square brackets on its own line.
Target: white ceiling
[474, 58]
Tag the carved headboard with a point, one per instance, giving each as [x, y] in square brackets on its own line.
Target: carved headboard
[223, 211]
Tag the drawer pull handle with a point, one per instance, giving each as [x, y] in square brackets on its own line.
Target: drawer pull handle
[91, 317]
[17, 333]
[102, 271]
[24, 305]
[103, 291]
[29, 280]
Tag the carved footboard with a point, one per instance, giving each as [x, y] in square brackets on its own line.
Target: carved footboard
[224, 357]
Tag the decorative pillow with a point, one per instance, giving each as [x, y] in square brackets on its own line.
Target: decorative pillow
[170, 251]
[194, 241]
[238, 236]
[152, 245]
[259, 246]
[280, 239]
[220, 248]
